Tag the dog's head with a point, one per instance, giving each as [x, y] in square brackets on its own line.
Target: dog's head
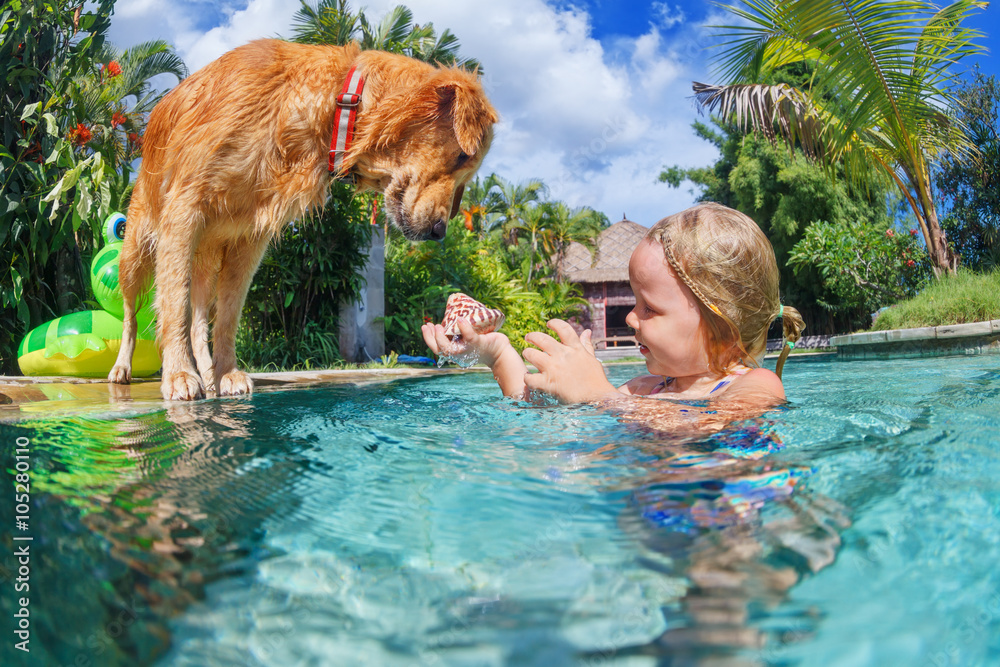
[420, 136]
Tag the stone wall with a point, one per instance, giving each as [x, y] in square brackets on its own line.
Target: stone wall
[966, 339]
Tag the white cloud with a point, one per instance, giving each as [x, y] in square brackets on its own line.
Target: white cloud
[261, 18]
[668, 17]
[596, 122]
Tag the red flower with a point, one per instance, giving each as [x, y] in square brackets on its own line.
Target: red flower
[427, 320]
[114, 69]
[913, 232]
[890, 233]
[34, 153]
[118, 119]
[135, 139]
[80, 134]
[910, 263]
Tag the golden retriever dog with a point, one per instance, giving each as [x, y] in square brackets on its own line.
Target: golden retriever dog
[241, 148]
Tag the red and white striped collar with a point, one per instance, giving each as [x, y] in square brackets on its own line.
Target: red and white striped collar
[343, 123]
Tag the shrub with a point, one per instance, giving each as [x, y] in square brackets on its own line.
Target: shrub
[865, 265]
[291, 316]
[420, 277]
[953, 299]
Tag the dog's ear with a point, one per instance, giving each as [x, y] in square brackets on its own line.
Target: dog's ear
[472, 113]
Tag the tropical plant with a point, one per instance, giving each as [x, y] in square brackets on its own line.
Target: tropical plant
[512, 199]
[41, 50]
[333, 22]
[62, 141]
[290, 319]
[878, 95]
[580, 225]
[419, 279]
[481, 206]
[864, 266]
[115, 97]
[533, 222]
[533, 231]
[969, 184]
[786, 193]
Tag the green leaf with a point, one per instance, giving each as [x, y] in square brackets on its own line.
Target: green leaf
[105, 208]
[71, 177]
[50, 124]
[87, 22]
[97, 170]
[18, 284]
[83, 204]
[28, 110]
[288, 299]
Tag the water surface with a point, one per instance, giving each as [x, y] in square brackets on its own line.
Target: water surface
[429, 521]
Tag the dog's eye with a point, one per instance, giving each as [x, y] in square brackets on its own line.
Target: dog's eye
[462, 159]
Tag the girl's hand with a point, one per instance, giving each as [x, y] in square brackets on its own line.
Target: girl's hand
[568, 370]
[472, 346]
[493, 349]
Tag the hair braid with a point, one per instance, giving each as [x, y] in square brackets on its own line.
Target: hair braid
[668, 252]
[727, 262]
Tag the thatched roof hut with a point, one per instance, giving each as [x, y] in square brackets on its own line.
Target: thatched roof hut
[604, 278]
[610, 263]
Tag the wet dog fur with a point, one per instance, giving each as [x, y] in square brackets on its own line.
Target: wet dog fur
[240, 148]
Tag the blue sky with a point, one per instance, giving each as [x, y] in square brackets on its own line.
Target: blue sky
[594, 95]
[631, 18]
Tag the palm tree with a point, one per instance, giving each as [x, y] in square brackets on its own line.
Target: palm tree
[878, 96]
[333, 22]
[581, 225]
[329, 22]
[513, 199]
[532, 220]
[116, 99]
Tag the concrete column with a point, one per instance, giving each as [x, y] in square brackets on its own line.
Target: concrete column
[362, 338]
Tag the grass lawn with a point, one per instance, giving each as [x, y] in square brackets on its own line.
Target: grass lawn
[965, 297]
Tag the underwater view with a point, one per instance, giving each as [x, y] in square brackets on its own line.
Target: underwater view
[430, 521]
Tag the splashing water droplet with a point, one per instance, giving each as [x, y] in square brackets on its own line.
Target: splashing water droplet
[463, 359]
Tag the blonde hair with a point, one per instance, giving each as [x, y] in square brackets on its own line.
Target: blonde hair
[725, 259]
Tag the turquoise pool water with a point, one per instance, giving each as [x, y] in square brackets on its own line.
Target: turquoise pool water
[429, 522]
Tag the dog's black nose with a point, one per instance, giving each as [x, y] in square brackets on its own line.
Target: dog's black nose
[439, 229]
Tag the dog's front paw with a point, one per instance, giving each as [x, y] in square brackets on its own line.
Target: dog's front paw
[235, 383]
[208, 378]
[181, 386]
[120, 374]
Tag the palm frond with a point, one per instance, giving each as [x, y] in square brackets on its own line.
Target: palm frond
[770, 109]
[329, 22]
[393, 32]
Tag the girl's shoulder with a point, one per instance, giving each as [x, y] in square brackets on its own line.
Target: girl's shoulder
[757, 382]
[643, 385]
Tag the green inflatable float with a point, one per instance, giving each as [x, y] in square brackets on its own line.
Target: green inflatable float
[85, 344]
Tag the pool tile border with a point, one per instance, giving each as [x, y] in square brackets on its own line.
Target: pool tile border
[965, 339]
[24, 397]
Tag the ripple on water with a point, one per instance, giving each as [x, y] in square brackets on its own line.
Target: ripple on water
[432, 521]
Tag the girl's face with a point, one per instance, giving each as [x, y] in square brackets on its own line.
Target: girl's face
[666, 317]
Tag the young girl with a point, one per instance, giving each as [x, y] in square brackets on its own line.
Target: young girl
[706, 291]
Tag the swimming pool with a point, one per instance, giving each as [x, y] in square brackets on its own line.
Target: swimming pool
[430, 522]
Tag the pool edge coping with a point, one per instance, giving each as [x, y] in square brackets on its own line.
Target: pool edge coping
[942, 340]
[67, 395]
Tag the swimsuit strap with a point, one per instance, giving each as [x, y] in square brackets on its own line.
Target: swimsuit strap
[739, 370]
[660, 387]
